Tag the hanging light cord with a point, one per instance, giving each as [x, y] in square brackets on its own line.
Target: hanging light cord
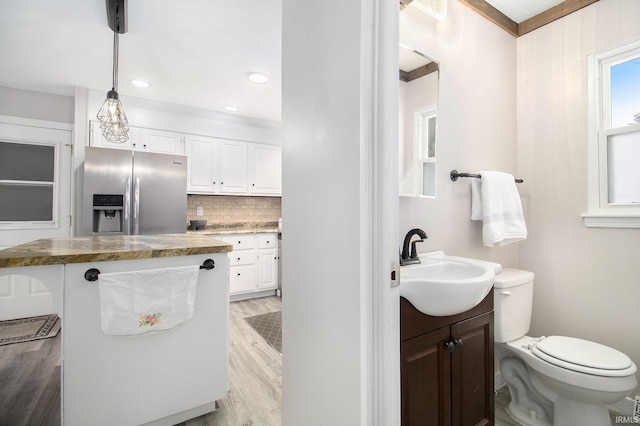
[115, 61]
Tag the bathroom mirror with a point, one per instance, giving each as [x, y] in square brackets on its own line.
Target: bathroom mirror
[418, 117]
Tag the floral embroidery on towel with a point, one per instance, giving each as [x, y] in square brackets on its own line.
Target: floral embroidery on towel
[149, 320]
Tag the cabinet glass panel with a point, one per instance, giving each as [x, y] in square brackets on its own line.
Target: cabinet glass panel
[26, 162]
[26, 203]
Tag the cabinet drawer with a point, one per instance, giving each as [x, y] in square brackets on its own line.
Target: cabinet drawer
[242, 278]
[242, 257]
[267, 241]
[241, 242]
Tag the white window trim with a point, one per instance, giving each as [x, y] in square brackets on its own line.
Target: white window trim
[55, 184]
[600, 214]
[420, 118]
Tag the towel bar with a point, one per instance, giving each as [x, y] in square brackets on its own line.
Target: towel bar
[92, 274]
[454, 175]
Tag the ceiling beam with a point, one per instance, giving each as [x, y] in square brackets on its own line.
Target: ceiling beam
[503, 21]
[117, 15]
[563, 9]
[407, 76]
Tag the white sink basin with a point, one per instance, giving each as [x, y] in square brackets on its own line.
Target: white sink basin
[444, 285]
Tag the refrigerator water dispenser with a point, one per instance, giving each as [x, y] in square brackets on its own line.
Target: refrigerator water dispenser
[107, 213]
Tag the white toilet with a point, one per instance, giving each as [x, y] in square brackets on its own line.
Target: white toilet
[555, 380]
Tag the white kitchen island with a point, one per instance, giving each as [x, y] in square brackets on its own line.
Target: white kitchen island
[159, 378]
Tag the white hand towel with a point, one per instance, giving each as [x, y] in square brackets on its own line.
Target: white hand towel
[495, 200]
[139, 302]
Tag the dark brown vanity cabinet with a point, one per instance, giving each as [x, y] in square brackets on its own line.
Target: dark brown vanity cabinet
[447, 366]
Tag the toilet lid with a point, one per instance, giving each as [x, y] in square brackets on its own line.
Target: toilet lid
[582, 355]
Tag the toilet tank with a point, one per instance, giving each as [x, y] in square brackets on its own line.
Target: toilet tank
[513, 300]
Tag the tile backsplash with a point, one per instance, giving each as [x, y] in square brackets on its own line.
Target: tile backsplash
[231, 209]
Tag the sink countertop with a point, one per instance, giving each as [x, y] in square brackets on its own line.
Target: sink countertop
[238, 228]
[56, 251]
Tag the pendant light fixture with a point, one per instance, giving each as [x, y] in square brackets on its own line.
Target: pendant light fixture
[113, 121]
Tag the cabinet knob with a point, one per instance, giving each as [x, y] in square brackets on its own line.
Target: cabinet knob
[238, 273]
[214, 183]
[450, 346]
[238, 258]
[458, 343]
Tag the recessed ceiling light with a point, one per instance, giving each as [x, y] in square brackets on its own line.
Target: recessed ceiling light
[258, 77]
[230, 108]
[140, 83]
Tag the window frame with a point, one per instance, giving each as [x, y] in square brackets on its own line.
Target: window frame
[55, 184]
[601, 213]
[421, 118]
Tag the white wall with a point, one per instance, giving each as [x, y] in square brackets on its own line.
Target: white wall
[476, 124]
[587, 283]
[36, 105]
[322, 312]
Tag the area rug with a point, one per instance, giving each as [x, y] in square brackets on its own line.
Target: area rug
[27, 329]
[269, 326]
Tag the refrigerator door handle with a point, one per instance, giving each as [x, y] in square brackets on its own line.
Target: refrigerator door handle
[127, 207]
[136, 207]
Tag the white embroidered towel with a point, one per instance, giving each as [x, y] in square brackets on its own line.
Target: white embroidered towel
[495, 200]
[139, 302]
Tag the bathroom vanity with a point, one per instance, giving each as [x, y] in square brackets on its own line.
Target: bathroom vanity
[161, 378]
[447, 366]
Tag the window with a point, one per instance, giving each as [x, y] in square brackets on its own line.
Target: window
[614, 137]
[28, 184]
[425, 120]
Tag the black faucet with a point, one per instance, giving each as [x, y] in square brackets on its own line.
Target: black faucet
[405, 257]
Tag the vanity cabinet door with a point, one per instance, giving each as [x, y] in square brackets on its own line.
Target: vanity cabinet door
[426, 379]
[472, 371]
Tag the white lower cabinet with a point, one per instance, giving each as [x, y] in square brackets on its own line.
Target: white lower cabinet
[253, 264]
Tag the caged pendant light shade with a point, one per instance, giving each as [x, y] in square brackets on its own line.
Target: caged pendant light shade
[113, 121]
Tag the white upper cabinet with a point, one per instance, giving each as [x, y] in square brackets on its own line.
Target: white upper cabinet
[203, 165]
[140, 139]
[96, 138]
[215, 166]
[158, 141]
[265, 169]
[233, 167]
[227, 167]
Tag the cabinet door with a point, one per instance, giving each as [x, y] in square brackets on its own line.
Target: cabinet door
[242, 279]
[472, 371]
[425, 375]
[267, 269]
[265, 169]
[233, 167]
[158, 141]
[96, 138]
[203, 165]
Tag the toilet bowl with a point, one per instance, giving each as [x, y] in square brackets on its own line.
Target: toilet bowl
[555, 380]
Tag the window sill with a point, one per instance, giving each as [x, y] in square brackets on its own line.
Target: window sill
[610, 220]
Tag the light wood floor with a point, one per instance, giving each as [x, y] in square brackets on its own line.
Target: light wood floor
[30, 383]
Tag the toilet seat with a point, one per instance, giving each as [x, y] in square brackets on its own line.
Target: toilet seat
[583, 356]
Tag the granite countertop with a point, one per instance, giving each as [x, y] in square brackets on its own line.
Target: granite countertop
[57, 251]
[237, 228]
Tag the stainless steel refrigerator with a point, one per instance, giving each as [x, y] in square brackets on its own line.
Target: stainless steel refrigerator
[132, 192]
